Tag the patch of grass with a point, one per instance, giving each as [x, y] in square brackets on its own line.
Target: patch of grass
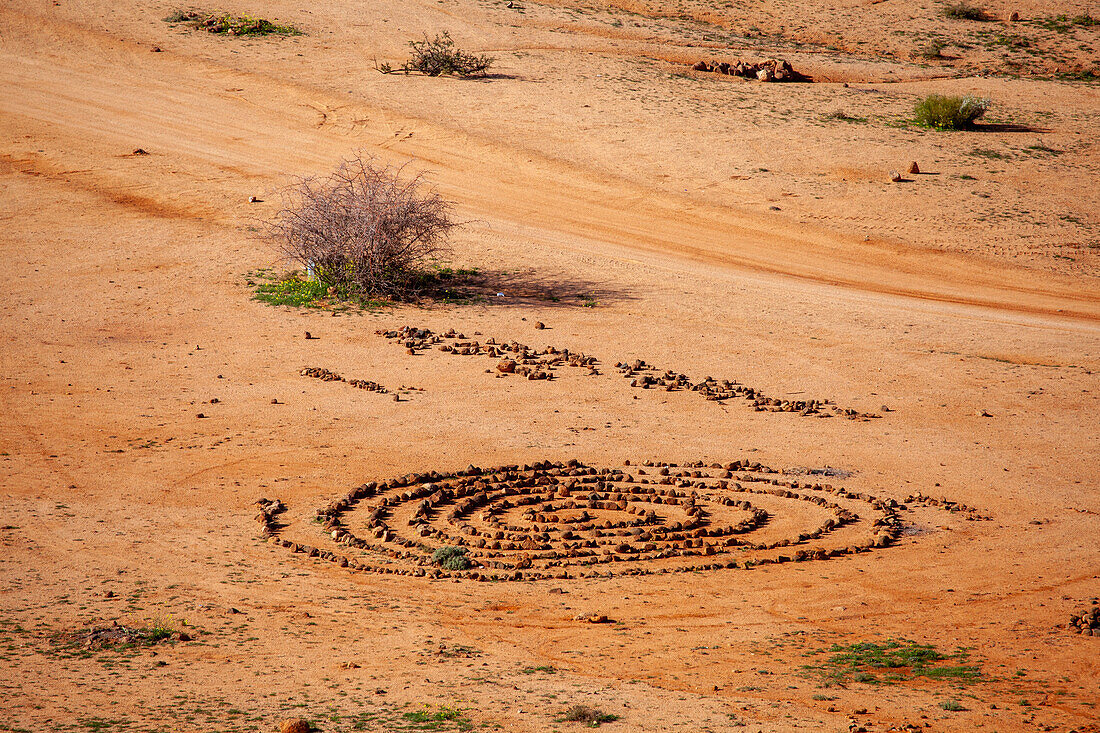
[223, 23]
[953, 706]
[932, 50]
[296, 289]
[949, 113]
[439, 57]
[591, 717]
[905, 660]
[442, 718]
[548, 669]
[964, 11]
[1065, 23]
[451, 558]
[842, 116]
[989, 154]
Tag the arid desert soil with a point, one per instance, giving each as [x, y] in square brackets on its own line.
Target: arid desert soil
[898, 441]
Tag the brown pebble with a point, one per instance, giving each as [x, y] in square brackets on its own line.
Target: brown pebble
[914, 168]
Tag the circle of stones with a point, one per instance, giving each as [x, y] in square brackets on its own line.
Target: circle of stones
[566, 520]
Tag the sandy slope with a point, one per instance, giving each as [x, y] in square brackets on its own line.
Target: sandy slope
[127, 312]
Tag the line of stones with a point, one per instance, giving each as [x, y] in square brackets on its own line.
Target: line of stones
[329, 376]
[646, 376]
[516, 358]
[888, 528]
[537, 364]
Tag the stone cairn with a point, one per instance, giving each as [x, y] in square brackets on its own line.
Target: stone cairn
[567, 520]
[770, 70]
[1088, 621]
[328, 376]
[536, 364]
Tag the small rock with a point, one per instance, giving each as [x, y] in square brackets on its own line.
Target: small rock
[1015, 17]
[884, 408]
[506, 367]
[140, 151]
[155, 49]
[914, 168]
[309, 336]
[200, 415]
[295, 725]
[274, 400]
[895, 177]
[701, 66]
[539, 325]
[255, 200]
[984, 413]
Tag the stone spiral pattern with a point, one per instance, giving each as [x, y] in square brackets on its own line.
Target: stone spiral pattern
[567, 520]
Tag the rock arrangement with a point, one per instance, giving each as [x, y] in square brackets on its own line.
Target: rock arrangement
[1087, 622]
[535, 364]
[769, 70]
[646, 377]
[514, 357]
[269, 510]
[328, 376]
[568, 520]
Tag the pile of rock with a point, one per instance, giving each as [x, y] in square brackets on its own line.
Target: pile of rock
[1086, 622]
[769, 70]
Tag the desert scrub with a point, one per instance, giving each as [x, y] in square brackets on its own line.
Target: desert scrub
[950, 113]
[231, 25]
[899, 659]
[451, 558]
[592, 717]
[362, 231]
[297, 290]
[438, 57]
[963, 11]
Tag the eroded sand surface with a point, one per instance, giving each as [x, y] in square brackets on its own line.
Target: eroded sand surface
[642, 211]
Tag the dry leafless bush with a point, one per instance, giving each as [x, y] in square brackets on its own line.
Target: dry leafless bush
[362, 229]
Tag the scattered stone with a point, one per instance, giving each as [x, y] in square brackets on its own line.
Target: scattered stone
[539, 325]
[592, 618]
[506, 367]
[914, 169]
[1014, 18]
[139, 151]
[295, 725]
[896, 177]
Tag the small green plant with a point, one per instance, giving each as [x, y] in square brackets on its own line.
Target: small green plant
[548, 669]
[592, 717]
[438, 57]
[451, 558]
[231, 25]
[953, 706]
[905, 660]
[933, 50]
[950, 113]
[963, 11]
[443, 718]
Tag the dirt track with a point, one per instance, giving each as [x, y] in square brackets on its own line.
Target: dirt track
[127, 311]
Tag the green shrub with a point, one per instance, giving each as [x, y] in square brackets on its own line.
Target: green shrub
[950, 113]
[953, 706]
[592, 717]
[451, 558]
[962, 11]
[438, 56]
[231, 25]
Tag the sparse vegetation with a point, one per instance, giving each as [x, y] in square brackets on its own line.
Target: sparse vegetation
[903, 659]
[950, 113]
[451, 558]
[953, 706]
[231, 25]
[933, 50]
[443, 718]
[592, 717]
[361, 232]
[964, 11]
[439, 57]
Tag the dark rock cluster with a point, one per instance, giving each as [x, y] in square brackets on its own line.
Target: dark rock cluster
[1087, 621]
[329, 376]
[769, 70]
